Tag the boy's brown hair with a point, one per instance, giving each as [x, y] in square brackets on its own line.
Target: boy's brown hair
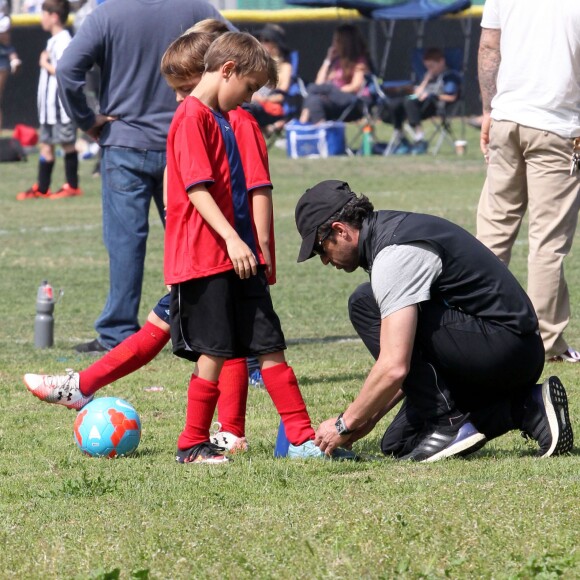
[184, 56]
[245, 51]
[59, 7]
[433, 54]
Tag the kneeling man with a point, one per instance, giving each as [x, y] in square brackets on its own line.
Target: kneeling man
[451, 329]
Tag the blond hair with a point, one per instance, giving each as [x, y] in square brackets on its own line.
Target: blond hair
[184, 56]
[209, 25]
[245, 51]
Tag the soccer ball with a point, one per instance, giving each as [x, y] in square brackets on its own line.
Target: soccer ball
[107, 427]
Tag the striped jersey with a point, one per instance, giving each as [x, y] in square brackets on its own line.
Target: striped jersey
[50, 109]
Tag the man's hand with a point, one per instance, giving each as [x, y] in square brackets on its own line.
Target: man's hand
[327, 437]
[100, 122]
[484, 136]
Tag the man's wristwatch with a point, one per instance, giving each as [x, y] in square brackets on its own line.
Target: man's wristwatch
[341, 427]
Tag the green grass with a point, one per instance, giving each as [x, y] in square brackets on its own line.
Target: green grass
[501, 514]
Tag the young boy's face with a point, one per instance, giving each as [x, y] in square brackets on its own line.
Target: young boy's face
[238, 89]
[46, 20]
[183, 88]
[435, 67]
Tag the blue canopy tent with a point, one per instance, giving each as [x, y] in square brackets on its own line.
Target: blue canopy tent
[388, 13]
[365, 7]
[421, 11]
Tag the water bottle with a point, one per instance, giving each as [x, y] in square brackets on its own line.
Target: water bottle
[44, 320]
[367, 141]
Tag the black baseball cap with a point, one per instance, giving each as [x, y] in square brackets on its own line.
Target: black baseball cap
[316, 206]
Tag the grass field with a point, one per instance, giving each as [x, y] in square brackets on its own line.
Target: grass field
[500, 514]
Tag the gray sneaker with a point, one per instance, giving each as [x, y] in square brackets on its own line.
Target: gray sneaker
[58, 389]
[546, 418]
[308, 450]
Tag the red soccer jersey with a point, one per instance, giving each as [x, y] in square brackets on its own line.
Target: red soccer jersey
[198, 151]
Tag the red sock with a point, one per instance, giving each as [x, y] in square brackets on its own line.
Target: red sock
[134, 352]
[202, 397]
[233, 388]
[282, 386]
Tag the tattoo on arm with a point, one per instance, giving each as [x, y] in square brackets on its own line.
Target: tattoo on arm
[488, 65]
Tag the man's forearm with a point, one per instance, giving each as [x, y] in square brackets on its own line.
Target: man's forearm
[72, 94]
[379, 389]
[77, 59]
[488, 65]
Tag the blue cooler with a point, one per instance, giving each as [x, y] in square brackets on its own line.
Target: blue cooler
[322, 140]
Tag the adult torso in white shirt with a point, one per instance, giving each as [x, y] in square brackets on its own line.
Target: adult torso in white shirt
[538, 83]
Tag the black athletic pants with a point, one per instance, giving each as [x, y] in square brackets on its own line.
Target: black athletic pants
[401, 108]
[459, 363]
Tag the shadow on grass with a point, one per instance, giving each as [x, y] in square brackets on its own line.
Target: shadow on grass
[343, 377]
[323, 339]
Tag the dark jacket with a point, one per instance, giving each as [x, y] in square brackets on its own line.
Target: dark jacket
[473, 279]
[126, 40]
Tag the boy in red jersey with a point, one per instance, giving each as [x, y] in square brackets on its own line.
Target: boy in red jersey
[182, 67]
[220, 303]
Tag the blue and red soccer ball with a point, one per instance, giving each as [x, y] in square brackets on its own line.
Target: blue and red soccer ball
[107, 427]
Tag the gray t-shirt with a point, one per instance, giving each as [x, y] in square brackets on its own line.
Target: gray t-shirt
[402, 275]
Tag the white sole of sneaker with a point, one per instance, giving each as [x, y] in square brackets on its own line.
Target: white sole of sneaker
[469, 444]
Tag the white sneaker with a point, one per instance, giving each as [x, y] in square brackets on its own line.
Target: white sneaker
[571, 355]
[228, 441]
[308, 450]
[58, 389]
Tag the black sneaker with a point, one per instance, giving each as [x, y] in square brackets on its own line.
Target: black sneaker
[93, 347]
[546, 418]
[443, 441]
[205, 452]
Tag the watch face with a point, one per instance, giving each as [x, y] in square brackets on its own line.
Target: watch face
[340, 426]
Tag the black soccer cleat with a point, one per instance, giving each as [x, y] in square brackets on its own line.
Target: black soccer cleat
[456, 440]
[546, 418]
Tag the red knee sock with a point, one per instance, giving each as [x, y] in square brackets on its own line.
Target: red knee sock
[282, 386]
[134, 352]
[202, 397]
[233, 388]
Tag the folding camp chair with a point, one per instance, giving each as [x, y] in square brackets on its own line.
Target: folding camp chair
[441, 122]
[293, 99]
[370, 104]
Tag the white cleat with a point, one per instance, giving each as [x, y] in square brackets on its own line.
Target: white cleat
[58, 389]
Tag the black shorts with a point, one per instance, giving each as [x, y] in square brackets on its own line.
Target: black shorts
[224, 316]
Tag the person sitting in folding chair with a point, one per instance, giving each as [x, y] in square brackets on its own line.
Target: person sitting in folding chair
[341, 78]
[439, 88]
[267, 104]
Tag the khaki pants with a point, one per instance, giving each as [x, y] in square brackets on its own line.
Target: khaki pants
[530, 169]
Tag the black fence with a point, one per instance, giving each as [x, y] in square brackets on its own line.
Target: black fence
[310, 38]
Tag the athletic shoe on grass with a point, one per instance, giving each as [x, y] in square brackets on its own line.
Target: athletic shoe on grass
[546, 418]
[228, 441]
[256, 380]
[461, 439]
[58, 389]
[32, 193]
[571, 356]
[308, 450]
[92, 347]
[66, 191]
[205, 452]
